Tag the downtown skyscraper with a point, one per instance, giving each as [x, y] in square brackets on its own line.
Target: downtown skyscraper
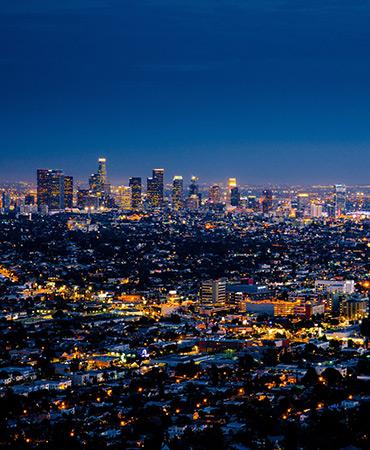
[54, 189]
[136, 188]
[177, 192]
[155, 188]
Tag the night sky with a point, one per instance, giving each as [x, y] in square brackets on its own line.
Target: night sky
[265, 90]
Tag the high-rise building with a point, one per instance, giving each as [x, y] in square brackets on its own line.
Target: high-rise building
[192, 202]
[177, 192]
[235, 196]
[68, 192]
[316, 210]
[354, 308]
[102, 170]
[5, 201]
[215, 194]
[82, 195]
[50, 189]
[303, 203]
[124, 198]
[266, 201]
[135, 185]
[155, 188]
[213, 291]
[194, 188]
[231, 184]
[42, 187]
[340, 199]
[99, 185]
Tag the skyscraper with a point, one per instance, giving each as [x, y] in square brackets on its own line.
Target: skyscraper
[102, 170]
[266, 201]
[235, 196]
[231, 184]
[194, 188]
[177, 192]
[303, 204]
[135, 185]
[68, 192]
[155, 187]
[215, 194]
[50, 189]
[6, 201]
[42, 187]
[340, 199]
[124, 198]
[98, 182]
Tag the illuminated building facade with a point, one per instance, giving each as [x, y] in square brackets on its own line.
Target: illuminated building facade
[136, 188]
[266, 201]
[354, 308]
[155, 188]
[50, 189]
[340, 199]
[177, 192]
[215, 194]
[5, 201]
[124, 198]
[98, 182]
[231, 184]
[235, 196]
[213, 291]
[194, 187]
[68, 192]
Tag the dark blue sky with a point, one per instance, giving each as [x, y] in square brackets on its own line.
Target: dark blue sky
[265, 90]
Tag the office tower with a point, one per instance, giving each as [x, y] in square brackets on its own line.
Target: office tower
[98, 182]
[94, 184]
[6, 201]
[213, 291]
[102, 171]
[340, 199]
[158, 175]
[155, 186]
[303, 203]
[56, 193]
[42, 187]
[252, 202]
[82, 195]
[192, 202]
[235, 196]
[194, 188]
[266, 201]
[135, 185]
[151, 189]
[124, 198]
[316, 210]
[231, 184]
[68, 192]
[354, 308]
[50, 189]
[214, 195]
[177, 192]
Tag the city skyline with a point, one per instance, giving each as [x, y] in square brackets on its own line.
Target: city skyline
[267, 92]
[82, 178]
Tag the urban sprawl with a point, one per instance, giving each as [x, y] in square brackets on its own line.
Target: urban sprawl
[183, 316]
